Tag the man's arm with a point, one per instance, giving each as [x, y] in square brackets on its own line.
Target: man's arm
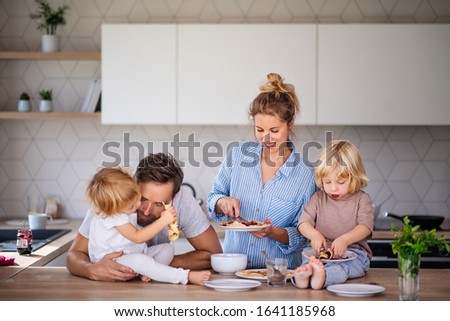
[106, 269]
[204, 244]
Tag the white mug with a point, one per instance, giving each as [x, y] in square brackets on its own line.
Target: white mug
[38, 221]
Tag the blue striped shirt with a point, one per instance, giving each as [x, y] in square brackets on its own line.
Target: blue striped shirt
[281, 199]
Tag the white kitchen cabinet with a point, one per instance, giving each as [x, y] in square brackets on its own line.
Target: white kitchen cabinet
[221, 66]
[139, 74]
[384, 74]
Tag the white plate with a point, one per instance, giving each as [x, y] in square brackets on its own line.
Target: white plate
[232, 285]
[355, 289]
[244, 228]
[58, 221]
[242, 274]
[348, 256]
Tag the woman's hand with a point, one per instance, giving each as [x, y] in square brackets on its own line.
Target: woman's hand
[229, 206]
[267, 231]
[278, 234]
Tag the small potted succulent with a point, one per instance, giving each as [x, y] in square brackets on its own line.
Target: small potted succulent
[49, 19]
[24, 103]
[46, 104]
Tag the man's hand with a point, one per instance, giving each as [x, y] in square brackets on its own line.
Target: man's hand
[109, 270]
[106, 269]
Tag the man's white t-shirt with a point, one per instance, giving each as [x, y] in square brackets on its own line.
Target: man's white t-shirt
[192, 221]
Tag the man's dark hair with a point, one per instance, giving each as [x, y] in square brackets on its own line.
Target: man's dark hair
[160, 168]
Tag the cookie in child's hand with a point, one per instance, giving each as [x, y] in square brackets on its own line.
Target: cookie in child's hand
[174, 232]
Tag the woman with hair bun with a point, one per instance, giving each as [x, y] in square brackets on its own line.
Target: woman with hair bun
[265, 180]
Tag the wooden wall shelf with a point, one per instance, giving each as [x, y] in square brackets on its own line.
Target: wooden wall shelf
[60, 55]
[51, 115]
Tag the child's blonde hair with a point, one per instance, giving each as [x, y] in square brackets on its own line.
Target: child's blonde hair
[343, 156]
[112, 190]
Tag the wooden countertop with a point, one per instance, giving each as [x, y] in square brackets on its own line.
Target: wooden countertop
[56, 283]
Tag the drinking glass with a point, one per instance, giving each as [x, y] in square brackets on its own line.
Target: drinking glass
[276, 271]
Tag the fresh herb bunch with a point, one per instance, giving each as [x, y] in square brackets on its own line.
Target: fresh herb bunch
[46, 94]
[24, 96]
[48, 18]
[414, 241]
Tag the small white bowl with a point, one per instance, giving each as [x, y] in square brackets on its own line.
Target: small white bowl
[228, 263]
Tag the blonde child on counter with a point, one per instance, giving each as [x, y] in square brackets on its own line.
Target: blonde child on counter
[115, 197]
[338, 217]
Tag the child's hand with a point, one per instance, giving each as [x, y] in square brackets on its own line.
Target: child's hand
[318, 243]
[169, 215]
[339, 246]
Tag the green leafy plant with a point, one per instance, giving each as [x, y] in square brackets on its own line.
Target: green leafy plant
[413, 241]
[24, 96]
[46, 94]
[48, 18]
[410, 242]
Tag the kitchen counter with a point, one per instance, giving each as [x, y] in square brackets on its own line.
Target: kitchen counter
[56, 283]
[43, 255]
[388, 235]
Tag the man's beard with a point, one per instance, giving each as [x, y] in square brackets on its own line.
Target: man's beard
[144, 220]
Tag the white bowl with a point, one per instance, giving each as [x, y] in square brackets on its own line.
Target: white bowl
[228, 263]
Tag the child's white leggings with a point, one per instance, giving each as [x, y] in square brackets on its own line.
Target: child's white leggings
[154, 263]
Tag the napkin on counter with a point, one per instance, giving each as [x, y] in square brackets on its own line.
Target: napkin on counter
[6, 260]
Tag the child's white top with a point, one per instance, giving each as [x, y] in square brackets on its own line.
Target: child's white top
[104, 237]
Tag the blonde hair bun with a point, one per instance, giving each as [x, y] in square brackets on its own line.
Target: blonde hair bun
[276, 98]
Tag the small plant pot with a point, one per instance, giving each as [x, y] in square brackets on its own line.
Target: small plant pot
[46, 106]
[50, 43]
[24, 106]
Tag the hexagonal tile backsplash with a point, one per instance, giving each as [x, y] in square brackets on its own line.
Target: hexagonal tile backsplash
[409, 166]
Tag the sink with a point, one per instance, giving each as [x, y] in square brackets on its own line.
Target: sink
[8, 238]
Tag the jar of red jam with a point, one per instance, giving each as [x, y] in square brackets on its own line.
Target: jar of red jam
[24, 241]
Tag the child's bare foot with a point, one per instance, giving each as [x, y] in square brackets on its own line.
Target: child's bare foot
[318, 274]
[198, 277]
[144, 278]
[302, 274]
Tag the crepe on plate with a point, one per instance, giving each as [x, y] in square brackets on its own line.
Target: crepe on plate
[236, 223]
[325, 254]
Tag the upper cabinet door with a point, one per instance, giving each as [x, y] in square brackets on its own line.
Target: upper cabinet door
[139, 74]
[384, 74]
[221, 67]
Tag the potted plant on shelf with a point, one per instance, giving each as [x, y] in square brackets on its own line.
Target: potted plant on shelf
[48, 20]
[409, 245]
[24, 103]
[46, 104]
